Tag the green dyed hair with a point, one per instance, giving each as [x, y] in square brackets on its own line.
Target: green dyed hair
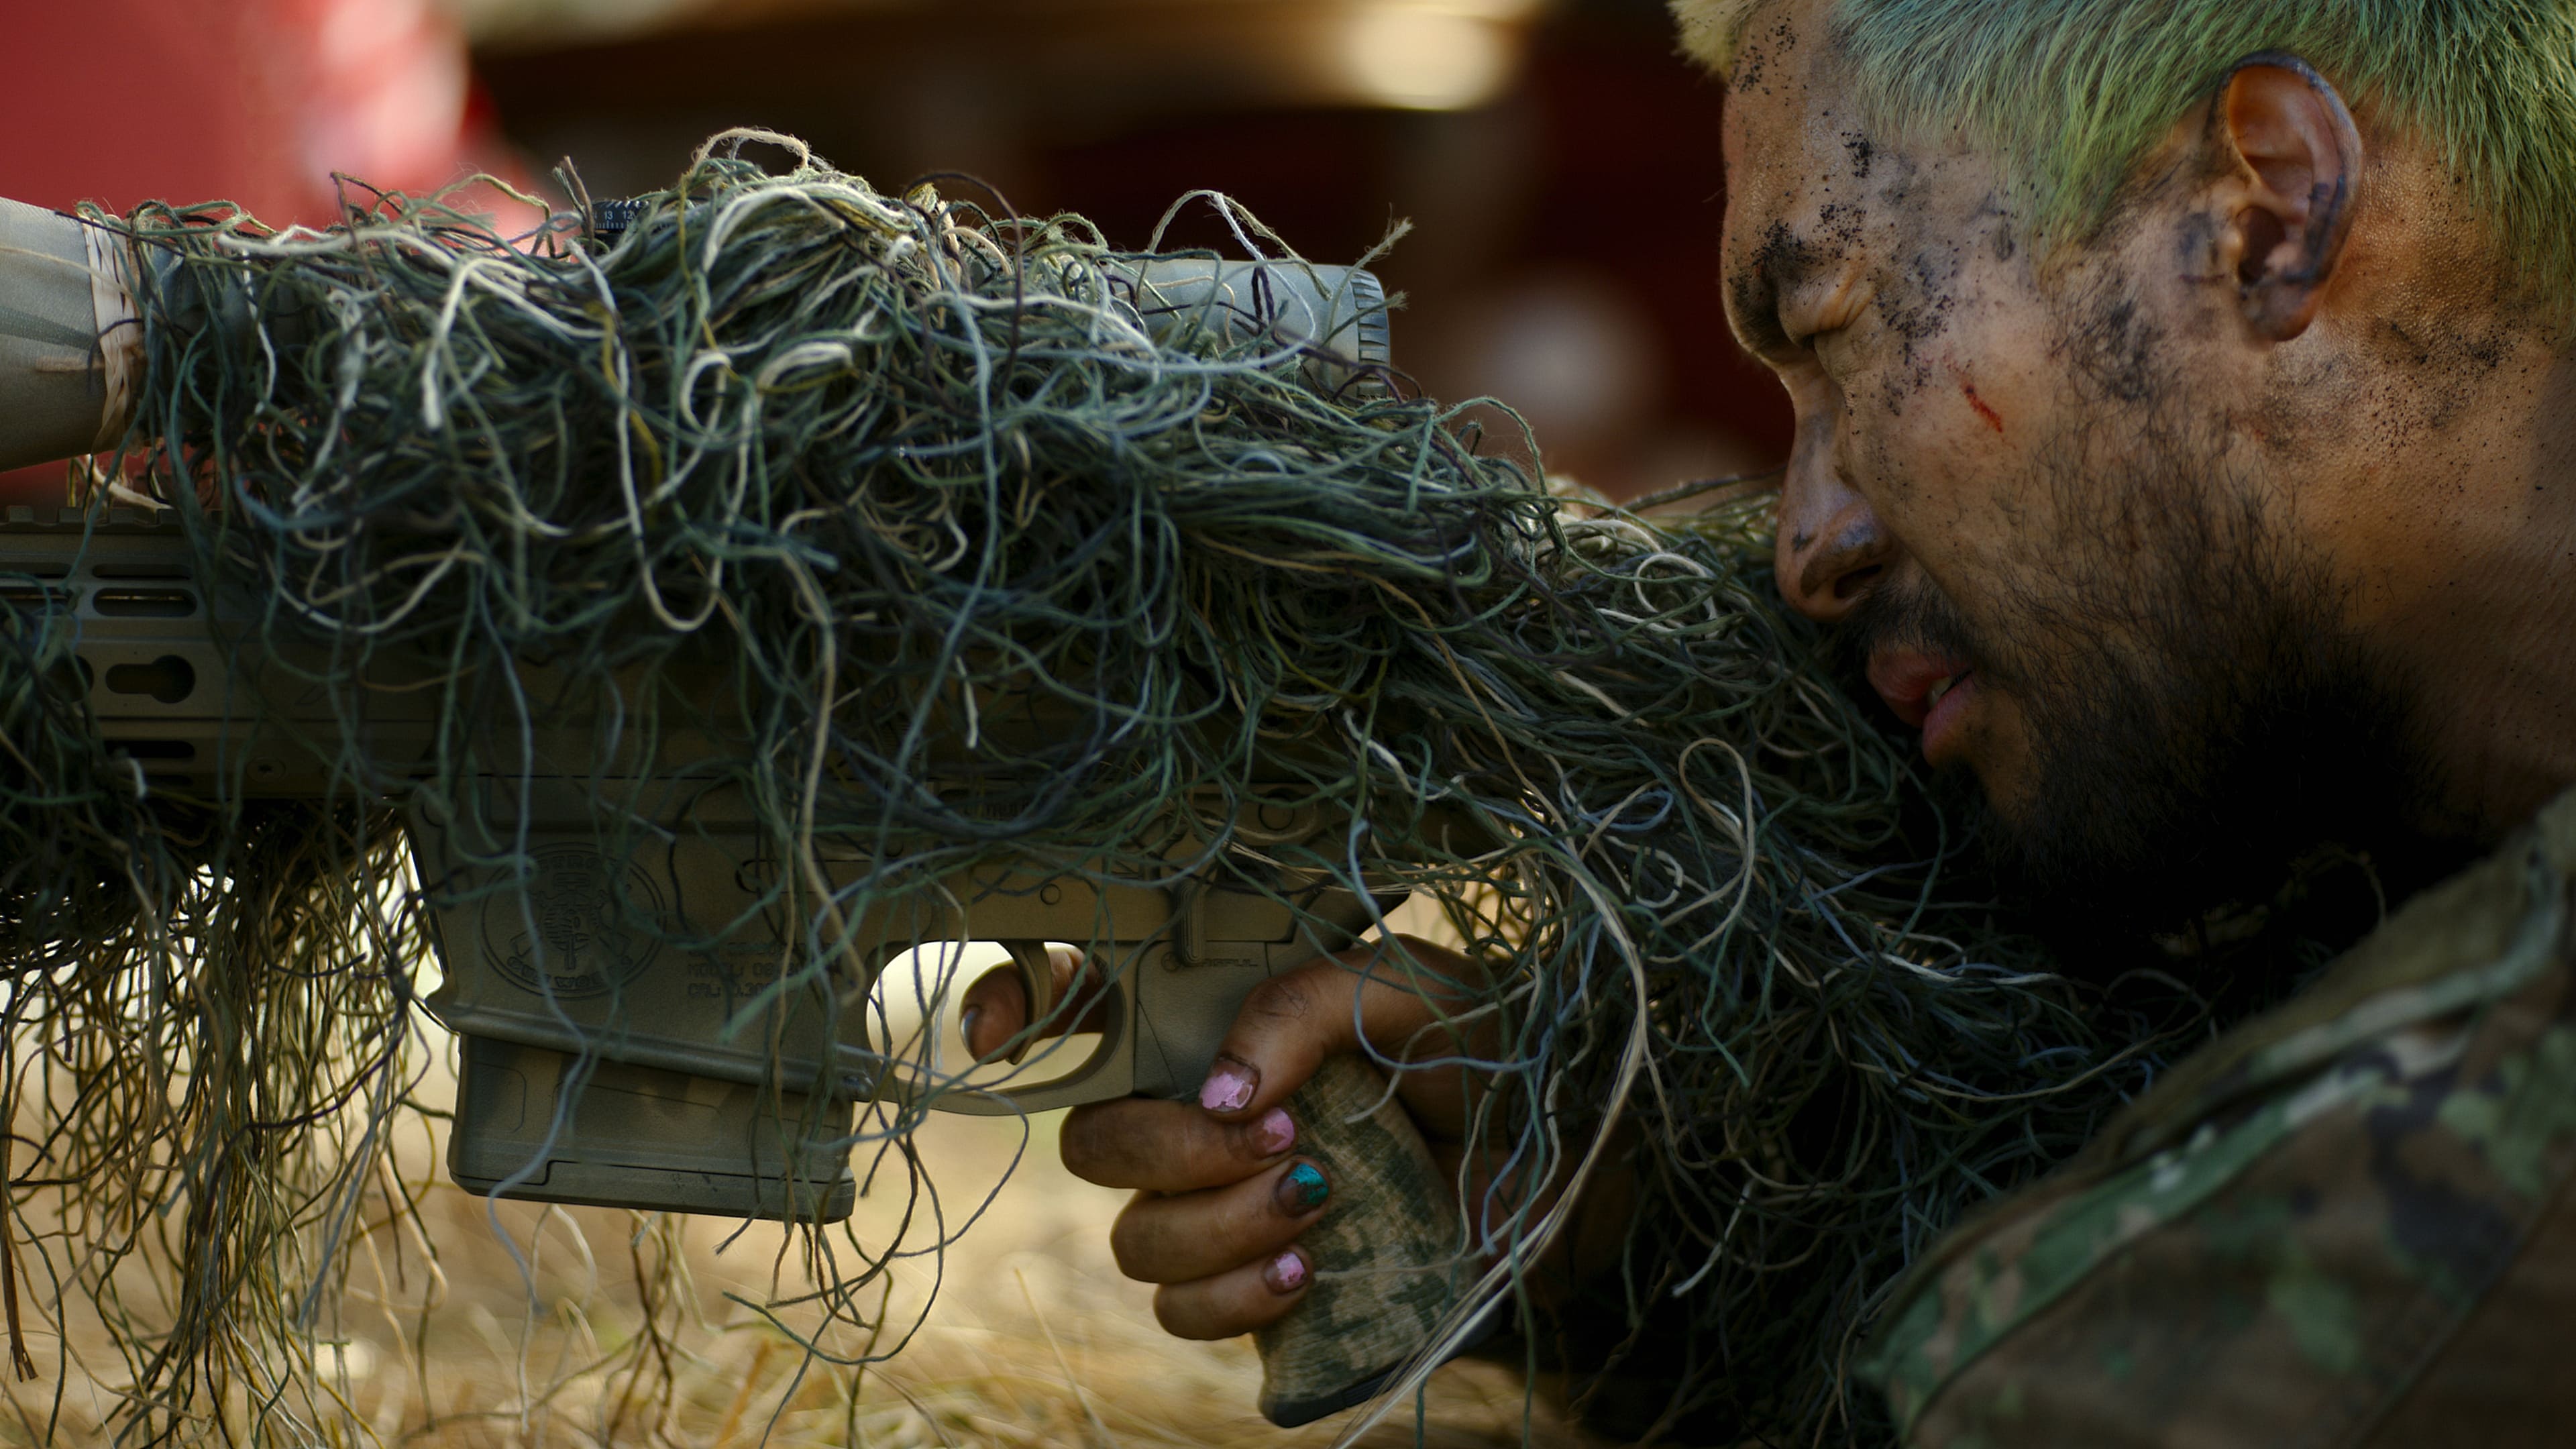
[2072, 94]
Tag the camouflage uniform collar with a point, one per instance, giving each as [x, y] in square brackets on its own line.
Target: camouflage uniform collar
[2470, 941]
[2410, 969]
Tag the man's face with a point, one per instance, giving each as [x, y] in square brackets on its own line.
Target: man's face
[2028, 491]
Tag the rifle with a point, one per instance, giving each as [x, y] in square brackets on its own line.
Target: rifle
[635, 1025]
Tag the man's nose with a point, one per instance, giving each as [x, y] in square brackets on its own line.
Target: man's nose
[1832, 546]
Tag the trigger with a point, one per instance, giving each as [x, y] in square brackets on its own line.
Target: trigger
[1037, 984]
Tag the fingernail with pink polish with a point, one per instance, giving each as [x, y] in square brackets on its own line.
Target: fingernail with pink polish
[1285, 1273]
[1228, 1088]
[1275, 1132]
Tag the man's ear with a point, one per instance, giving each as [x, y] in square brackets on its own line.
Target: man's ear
[2290, 160]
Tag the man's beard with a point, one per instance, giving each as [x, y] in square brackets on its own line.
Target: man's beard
[2199, 719]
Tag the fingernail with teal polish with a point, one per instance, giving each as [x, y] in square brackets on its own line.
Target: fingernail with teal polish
[1302, 1190]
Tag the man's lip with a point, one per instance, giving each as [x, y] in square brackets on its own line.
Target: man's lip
[1941, 720]
[1903, 679]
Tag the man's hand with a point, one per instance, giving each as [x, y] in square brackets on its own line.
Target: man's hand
[1222, 1193]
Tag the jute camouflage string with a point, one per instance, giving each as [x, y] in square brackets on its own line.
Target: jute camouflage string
[885, 455]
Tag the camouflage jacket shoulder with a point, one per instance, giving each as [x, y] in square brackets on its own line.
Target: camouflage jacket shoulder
[2307, 1231]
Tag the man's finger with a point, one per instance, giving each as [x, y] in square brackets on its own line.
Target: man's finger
[1236, 1301]
[1169, 1146]
[1174, 1239]
[1291, 1022]
[996, 1008]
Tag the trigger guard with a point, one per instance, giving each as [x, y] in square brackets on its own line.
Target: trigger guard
[1037, 986]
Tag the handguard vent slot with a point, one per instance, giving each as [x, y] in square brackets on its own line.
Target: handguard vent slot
[31, 598]
[169, 679]
[145, 603]
[154, 749]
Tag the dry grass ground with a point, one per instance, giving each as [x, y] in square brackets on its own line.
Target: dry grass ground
[1030, 1336]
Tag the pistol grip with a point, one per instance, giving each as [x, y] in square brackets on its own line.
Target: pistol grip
[1387, 1255]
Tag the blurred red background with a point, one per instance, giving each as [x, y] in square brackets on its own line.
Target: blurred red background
[1559, 161]
[253, 101]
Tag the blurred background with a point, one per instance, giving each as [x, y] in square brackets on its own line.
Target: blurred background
[1560, 166]
[1558, 161]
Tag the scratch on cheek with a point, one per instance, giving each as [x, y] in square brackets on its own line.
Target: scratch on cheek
[1994, 420]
